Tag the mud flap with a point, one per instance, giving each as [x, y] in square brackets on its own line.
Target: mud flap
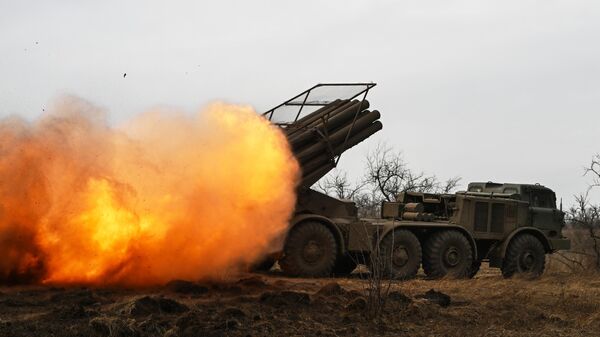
[560, 244]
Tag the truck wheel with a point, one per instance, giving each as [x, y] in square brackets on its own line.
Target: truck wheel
[344, 265]
[447, 253]
[400, 254]
[310, 250]
[525, 255]
[474, 268]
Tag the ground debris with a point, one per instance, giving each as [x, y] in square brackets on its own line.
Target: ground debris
[186, 287]
[399, 297]
[331, 289]
[233, 312]
[83, 296]
[285, 297]
[153, 305]
[70, 312]
[226, 287]
[436, 297]
[228, 324]
[114, 326]
[253, 282]
[357, 304]
[188, 319]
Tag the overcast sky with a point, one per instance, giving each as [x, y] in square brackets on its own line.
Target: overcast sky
[486, 90]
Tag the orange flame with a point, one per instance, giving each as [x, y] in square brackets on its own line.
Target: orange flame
[166, 196]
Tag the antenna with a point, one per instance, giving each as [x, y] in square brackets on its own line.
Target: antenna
[561, 204]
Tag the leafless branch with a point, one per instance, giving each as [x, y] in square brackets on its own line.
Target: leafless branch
[584, 215]
[594, 170]
[386, 175]
[338, 184]
[450, 185]
[570, 262]
[389, 173]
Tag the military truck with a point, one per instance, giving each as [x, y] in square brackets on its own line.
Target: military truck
[513, 226]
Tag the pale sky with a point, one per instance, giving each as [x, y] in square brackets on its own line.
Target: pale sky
[507, 91]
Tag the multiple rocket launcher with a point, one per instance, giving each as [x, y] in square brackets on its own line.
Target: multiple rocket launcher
[319, 138]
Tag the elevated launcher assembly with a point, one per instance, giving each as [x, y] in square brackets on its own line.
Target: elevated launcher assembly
[320, 128]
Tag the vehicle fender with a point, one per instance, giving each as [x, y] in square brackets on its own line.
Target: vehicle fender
[335, 230]
[433, 227]
[529, 230]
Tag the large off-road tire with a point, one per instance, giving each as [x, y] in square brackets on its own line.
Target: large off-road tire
[447, 253]
[399, 255]
[525, 255]
[475, 266]
[310, 250]
[344, 265]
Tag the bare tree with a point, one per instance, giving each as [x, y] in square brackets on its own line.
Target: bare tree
[583, 219]
[338, 184]
[594, 170]
[449, 185]
[386, 175]
[378, 285]
[389, 174]
[368, 203]
[585, 216]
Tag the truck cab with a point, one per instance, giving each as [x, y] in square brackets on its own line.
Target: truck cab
[496, 213]
[538, 200]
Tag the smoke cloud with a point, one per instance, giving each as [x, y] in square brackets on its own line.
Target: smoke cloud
[165, 196]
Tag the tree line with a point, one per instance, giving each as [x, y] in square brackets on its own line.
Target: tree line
[386, 174]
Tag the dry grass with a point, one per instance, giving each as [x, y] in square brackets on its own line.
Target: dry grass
[558, 304]
[582, 259]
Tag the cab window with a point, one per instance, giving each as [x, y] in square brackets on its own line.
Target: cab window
[542, 199]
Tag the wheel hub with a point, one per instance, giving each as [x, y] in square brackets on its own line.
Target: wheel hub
[452, 257]
[312, 251]
[527, 261]
[400, 256]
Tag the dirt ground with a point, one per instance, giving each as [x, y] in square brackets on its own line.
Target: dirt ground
[273, 305]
